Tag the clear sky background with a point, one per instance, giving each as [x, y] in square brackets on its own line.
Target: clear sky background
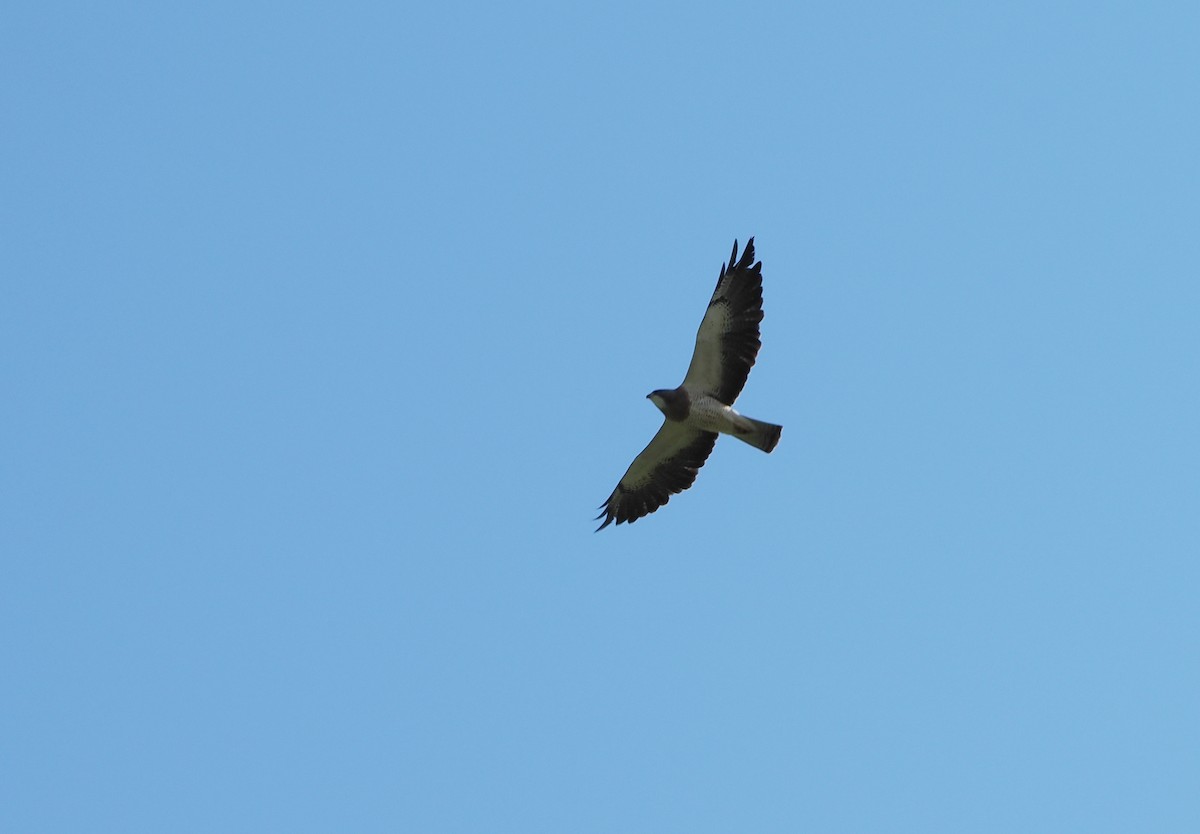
[325, 328]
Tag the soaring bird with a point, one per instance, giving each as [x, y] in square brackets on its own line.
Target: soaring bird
[702, 407]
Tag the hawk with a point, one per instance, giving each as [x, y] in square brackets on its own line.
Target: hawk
[701, 408]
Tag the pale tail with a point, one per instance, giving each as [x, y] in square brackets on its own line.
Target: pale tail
[762, 435]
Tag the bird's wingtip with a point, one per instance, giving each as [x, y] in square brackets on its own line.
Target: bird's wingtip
[606, 515]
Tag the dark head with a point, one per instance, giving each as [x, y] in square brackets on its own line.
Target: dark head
[673, 402]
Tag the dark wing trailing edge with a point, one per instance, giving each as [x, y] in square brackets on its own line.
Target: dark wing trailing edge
[727, 342]
[665, 467]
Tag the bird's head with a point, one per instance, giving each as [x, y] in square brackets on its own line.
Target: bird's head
[659, 398]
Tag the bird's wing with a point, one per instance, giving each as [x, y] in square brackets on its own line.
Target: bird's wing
[728, 340]
[667, 466]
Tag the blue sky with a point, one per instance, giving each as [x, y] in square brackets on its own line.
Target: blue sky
[325, 328]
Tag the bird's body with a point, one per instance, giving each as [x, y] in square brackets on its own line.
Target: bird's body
[707, 413]
[702, 407]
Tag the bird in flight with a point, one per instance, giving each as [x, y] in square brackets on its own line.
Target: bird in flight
[701, 408]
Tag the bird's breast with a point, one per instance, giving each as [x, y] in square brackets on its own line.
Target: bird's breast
[709, 414]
